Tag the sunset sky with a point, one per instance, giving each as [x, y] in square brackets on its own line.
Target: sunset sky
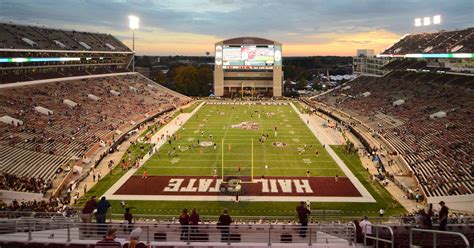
[191, 27]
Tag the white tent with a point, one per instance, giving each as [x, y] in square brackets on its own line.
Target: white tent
[346, 87]
[115, 93]
[10, 120]
[366, 94]
[69, 103]
[398, 102]
[439, 114]
[93, 97]
[43, 110]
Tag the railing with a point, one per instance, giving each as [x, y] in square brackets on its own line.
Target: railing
[34, 230]
[439, 233]
[377, 236]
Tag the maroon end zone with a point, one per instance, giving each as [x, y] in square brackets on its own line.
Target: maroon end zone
[209, 186]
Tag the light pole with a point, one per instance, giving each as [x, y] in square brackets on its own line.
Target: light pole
[133, 24]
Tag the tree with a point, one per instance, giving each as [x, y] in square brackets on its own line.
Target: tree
[160, 77]
[193, 81]
[302, 83]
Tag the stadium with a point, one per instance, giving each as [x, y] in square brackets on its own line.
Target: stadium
[98, 151]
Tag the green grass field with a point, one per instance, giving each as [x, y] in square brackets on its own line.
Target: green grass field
[213, 123]
[287, 161]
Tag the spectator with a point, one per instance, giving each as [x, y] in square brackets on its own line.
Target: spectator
[109, 240]
[134, 240]
[358, 233]
[86, 215]
[194, 220]
[443, 216]
[366, 226]
[100, 216]
[184, 221]
[128, 219]
[223, 224]
[303, 213]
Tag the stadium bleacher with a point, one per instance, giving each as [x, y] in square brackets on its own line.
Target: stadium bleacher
[14, 37]
[438, 150]
[46, 142]
[458, 41]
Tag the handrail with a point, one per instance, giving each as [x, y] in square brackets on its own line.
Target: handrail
[377, 238]
[37, 231]
[435, 232]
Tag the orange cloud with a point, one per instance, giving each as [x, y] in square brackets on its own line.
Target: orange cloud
[160, 42]
[343, 44]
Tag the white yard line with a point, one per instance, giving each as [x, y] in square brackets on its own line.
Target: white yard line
[324, 139]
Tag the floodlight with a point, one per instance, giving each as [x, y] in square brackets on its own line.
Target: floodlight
[426, 21]
[418, 22]
[133, 22]
[437, 19]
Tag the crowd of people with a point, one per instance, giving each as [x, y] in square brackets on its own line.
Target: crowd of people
[53, 205]
[439, 150]
[24, 184]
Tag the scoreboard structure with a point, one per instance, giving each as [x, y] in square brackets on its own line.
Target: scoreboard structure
[248, 67]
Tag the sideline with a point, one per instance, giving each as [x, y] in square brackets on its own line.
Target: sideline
[325, 140]
[168, 129]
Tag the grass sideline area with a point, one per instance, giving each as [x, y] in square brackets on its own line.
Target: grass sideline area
[173, 208]
[106, 182]
[300, 107]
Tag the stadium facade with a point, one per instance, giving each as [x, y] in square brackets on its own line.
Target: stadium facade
[248, 66]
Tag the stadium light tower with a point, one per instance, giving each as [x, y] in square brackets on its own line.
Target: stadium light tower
[428, 21]
[133, 24]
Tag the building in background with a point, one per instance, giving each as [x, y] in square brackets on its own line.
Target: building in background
[248, 66]
[365, 63]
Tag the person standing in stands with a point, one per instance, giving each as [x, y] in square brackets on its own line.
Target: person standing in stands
[223, 224]
[303, 213]
[443, 216]
[86, 215]
[184, 221]
[366, 226]
[100, 216]
[128, 217]
[194, 220]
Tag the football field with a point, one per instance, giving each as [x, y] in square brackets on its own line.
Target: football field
[218, 140]
[266, 146]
